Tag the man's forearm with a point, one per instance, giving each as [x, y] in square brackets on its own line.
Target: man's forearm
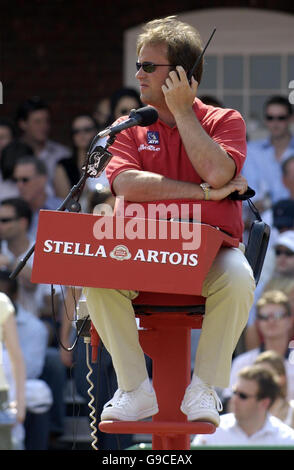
[143, 186]
[210, 161]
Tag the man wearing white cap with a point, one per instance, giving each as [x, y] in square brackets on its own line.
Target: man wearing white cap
[284, 249]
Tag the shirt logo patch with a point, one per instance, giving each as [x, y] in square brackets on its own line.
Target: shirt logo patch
[153, 137]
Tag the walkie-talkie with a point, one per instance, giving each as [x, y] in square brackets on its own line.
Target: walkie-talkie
[197, 62]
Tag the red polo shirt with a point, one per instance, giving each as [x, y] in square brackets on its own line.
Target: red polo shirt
[159, 149]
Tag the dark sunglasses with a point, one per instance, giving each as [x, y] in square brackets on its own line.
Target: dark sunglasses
[25, 179]
[276, 118]
[5, 220]
[242, 395]
[86, 130]
[280, 252]
[272, 315]
[149, 67]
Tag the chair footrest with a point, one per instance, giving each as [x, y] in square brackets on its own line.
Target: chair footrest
[157, 427]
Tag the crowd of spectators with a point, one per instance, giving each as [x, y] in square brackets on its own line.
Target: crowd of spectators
[38, 173]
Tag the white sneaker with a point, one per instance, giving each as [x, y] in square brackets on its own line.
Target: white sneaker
[201, 402]
[131, 406]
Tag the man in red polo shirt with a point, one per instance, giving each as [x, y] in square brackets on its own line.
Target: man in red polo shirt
[193, 154]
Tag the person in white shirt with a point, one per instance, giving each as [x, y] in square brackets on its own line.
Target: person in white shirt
[250, 423]
[274, 319]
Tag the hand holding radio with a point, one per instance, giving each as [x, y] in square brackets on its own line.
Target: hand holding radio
[179, 94]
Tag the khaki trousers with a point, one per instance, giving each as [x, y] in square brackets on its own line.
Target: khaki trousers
[229, 290]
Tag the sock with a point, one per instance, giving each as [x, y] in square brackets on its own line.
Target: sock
[147, 385]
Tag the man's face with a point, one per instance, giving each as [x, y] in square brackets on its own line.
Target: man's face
[37, 125]
[244, 402]
[277, 120]
[284, 260]
[5, 137]
[273, 322]
[151, 83]
[10, 225]
[29, 183]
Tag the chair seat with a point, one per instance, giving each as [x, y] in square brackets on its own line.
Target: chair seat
[150, 302]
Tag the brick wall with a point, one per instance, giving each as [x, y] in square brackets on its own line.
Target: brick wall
[70, 52]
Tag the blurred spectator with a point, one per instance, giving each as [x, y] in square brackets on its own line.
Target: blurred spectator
[276, 264]
[9, 339]
[33, 337]
[281, 407]
[69, 170]
[102, 112]
[122, 101]
[10, 154]
[30, 175]
[34, 122]
[263, 165]
[288, 174]
[15, 219]
[274, 322]
[284, 249]
[250, 423]
[7, 133]
[283, 215]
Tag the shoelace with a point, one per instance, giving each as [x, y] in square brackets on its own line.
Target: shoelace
[207, 398]
[120, 398]
[210, 398]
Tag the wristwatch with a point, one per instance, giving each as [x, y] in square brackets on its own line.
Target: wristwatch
[206, 190]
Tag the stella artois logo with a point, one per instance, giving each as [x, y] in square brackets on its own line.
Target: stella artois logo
[120, 253]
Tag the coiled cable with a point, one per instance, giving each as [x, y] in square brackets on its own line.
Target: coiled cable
[92, 399]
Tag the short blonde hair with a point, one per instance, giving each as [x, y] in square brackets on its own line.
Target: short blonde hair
[183, 42]
[276, 297]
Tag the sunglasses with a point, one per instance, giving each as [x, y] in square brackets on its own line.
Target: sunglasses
[5, 220]
[280, 252]
[85, 130]
[149, 67]
[242, 395]
[272, 316]
[24, 179]
[276, 118]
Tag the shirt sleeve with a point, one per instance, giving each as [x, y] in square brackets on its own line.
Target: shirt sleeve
[229, 131]
[125, 155]
[6, 308]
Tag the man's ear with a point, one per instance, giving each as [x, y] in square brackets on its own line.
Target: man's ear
[265, 403]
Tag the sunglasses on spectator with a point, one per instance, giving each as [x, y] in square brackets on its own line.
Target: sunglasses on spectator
[280, 252]
[5, 220]
[272, 315]
[242, 395]
[85, 130]
[149, 67]
[282, 117]
[24, 179]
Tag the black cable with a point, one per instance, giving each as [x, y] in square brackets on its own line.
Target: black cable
[71, 348]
